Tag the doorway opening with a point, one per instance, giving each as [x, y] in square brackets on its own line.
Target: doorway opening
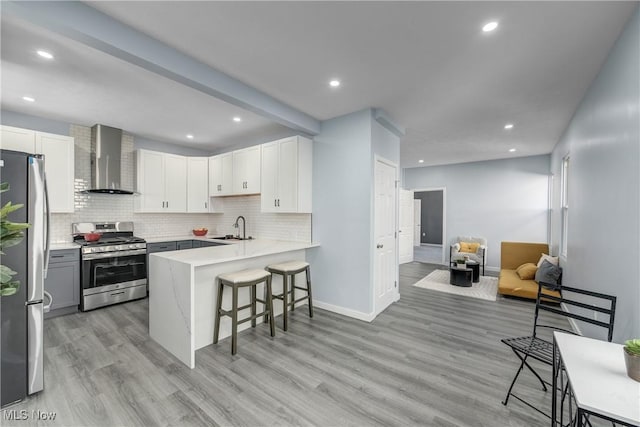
[429, 225]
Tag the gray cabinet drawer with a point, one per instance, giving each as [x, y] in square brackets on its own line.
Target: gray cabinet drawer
[196, 244]
[161, 247]
[185, 244]
[64, 255]
[63, 282]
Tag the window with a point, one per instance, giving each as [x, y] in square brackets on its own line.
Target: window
[564, 205]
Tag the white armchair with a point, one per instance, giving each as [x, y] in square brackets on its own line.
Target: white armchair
[480, 255]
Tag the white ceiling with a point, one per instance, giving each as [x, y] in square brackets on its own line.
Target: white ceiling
[427, 64]
[85, 86]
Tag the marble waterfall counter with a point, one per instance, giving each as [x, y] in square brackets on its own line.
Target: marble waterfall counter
[182, 290]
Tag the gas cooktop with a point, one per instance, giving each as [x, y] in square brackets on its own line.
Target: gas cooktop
[111, 240]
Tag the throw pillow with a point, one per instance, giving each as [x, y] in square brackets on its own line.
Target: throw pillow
[527, 271]
[552, 259]
[548, 274]
[469, 247]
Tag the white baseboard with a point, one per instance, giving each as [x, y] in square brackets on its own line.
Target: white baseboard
[493, 269]
[572, 322]
[366, 317]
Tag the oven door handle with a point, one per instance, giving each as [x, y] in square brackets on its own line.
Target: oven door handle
[87, 257]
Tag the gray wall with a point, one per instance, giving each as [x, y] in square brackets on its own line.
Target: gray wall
[343, 208]
[431, 216]
[500, 200]
[341, 266]
[603, 140]
[26, 121]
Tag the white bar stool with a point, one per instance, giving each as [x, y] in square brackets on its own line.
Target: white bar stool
[290, 269]
[241, 279]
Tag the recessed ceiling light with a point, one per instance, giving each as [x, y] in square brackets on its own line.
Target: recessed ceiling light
[334, 83]
[28, 99]
[490, 26]
[512, 150]
[45, 54]
[508, 126]
[237, 119]
[189, 136]
[420, 161]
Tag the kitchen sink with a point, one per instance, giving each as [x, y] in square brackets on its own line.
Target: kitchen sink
[230, 238]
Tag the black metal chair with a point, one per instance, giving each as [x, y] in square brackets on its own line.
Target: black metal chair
[534, 347]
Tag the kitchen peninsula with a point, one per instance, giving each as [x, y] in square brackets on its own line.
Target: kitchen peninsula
[182, 290]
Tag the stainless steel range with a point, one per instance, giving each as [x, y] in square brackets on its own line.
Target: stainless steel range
[114, 268]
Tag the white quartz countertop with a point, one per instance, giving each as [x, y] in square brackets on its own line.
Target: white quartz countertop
[198, 257]
[64, 245]
[182, 237]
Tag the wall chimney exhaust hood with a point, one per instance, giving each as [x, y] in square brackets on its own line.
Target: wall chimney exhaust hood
[106, 158]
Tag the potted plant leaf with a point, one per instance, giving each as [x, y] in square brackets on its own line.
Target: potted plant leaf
[11, 233]
[461, 263]
[632, 358]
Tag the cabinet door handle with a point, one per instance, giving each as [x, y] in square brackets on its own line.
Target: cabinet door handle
[278, 202]
[163, 204]
[379, 246]
[219, 187]
[167, 203]
[275, 202]
[205, 205]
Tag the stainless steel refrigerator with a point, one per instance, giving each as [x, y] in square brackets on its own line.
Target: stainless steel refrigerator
[21, 314]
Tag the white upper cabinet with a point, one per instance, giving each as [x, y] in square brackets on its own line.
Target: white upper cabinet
[221, 175]
[286, 175]
[246, 170]
[59, 164]
[59, 158]
[197, 184]
[17, 139]
[175, 187]
[161, 181]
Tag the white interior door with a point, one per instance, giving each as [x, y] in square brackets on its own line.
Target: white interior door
[386, 252]
[405, 236]
[417, 222]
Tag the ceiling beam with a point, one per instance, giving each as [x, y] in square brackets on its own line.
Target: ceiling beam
[93, 28]
[382, 117]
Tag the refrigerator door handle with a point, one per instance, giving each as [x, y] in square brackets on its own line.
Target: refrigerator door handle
[47, 307]
[35, 344]
[36, 232]
[47, 249]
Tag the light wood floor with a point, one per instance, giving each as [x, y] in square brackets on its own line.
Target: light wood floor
[431, 359]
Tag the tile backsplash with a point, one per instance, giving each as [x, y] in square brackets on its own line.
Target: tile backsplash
[108, 207]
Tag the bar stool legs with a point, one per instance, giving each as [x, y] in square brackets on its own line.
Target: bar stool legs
[250, 278]
[288, 271]
[309, 292]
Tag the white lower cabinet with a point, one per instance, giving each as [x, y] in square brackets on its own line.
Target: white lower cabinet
[197, 184]
[59, 163]
[161, 181]
[286, 175]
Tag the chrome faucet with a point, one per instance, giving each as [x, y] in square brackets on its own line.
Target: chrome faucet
[244, 227]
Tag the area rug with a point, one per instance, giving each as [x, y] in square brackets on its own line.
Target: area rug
[438, 280]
